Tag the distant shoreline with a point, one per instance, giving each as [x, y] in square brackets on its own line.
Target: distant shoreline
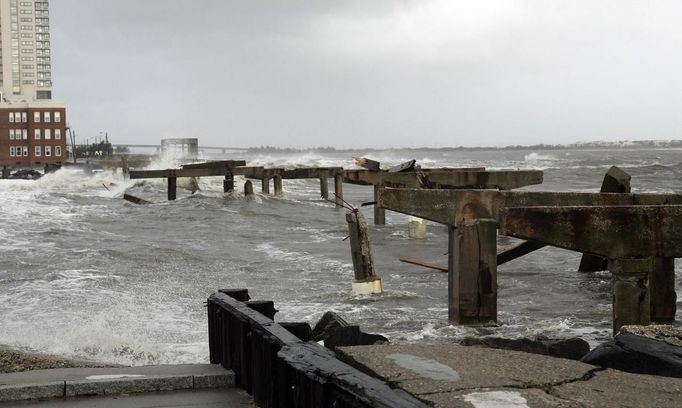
[13, 360]
[626, 144]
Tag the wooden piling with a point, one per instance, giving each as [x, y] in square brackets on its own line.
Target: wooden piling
[248, 188]
[615, 181]
[5, 172]
[472, 272]
[379, 213]
[279, 189]
[662, 290]
[265, 185]
[338, 190]
[631, 299]
[361, 252]
[172, 188]
[228, 184]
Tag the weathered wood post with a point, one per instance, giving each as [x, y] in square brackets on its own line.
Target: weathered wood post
[379, 213]
[631, 302]
[662, 290]
[324, 185]
[172, 188]
[248, 188]
[228, 183]
[279, 189]
[472, 272]
[125, 169]
[5, 172]
[615, 181]
[366, 282]
[265, 185]
[338, 189]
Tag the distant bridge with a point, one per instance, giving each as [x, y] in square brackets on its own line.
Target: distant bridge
[158, 147]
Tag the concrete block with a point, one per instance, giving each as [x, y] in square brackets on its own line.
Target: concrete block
[368, 288]
[128, 385]
[213, 380]
[416, 228]
[20, 392]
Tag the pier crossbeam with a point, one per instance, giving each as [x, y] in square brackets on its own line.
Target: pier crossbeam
[475, 178]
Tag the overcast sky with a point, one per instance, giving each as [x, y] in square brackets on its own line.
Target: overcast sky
[363, 73]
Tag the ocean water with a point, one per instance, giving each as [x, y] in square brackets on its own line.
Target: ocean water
[84, 273]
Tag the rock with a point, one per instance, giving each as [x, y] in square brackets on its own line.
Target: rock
[351, 336]
[573, 348]
[329, 321]
[336, 332]
[641, 354]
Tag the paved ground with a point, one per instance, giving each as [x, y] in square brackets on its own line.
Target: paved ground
[187, 385]
[458, 376]
[211, 398]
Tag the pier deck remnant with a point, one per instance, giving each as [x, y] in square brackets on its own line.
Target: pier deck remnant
[634, 231]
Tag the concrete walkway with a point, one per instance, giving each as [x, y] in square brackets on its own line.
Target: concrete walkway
[187, 385]
[448, 375]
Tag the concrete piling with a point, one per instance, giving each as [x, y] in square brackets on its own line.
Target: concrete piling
[324, 185]
[366, 282]
[248, 188]
[662, 289]
[338, 190]
[228, 184]
[172, 188]
[631, 298]
[279, 189]
[265, 185]
[379, 213]
[472, 272]
[416, 228]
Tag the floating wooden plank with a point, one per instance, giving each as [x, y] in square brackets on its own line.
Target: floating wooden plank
[426, 264]
[610, 231]
[135, 200]
[451, 206]
[503, 255]
[369, 164]
[404, 167]
[215, 164]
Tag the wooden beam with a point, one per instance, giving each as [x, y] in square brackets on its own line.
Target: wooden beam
[216, 164]
[426, 264]
[610, 231]
[135, 200]
[193, 172]
[445, 178]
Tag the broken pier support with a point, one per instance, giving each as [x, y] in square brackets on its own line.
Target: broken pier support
[265, 185]
[279, 189]
[631, 299]
[366, 282]
[248, 188]
[172, 188]
[228, 184]
[472, 272]
[662, 289]
[379, 213]
[338, 190]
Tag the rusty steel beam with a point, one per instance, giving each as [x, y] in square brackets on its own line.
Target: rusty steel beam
[451, 206]
[614, 232]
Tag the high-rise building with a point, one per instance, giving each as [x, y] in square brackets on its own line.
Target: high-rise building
[25, 61]
[32, 126]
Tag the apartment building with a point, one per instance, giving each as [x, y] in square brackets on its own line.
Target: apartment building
[32, 126]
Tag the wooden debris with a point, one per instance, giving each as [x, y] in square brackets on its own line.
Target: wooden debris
[135, 200]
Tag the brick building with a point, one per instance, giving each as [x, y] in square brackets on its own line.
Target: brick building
[32, 134]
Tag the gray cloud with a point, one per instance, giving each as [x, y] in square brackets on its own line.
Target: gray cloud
[369, 74]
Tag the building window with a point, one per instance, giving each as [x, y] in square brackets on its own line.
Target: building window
[11, 117]
[47, 117]
[37, 134]
[24, 117]
[48, 151]
[48, 135]
[36, 117]
[11, 134]
[11, 151]
[37, 151]
[25, 151]
[57, 117]
[25, 133]
[58, 151]
[58, 134]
